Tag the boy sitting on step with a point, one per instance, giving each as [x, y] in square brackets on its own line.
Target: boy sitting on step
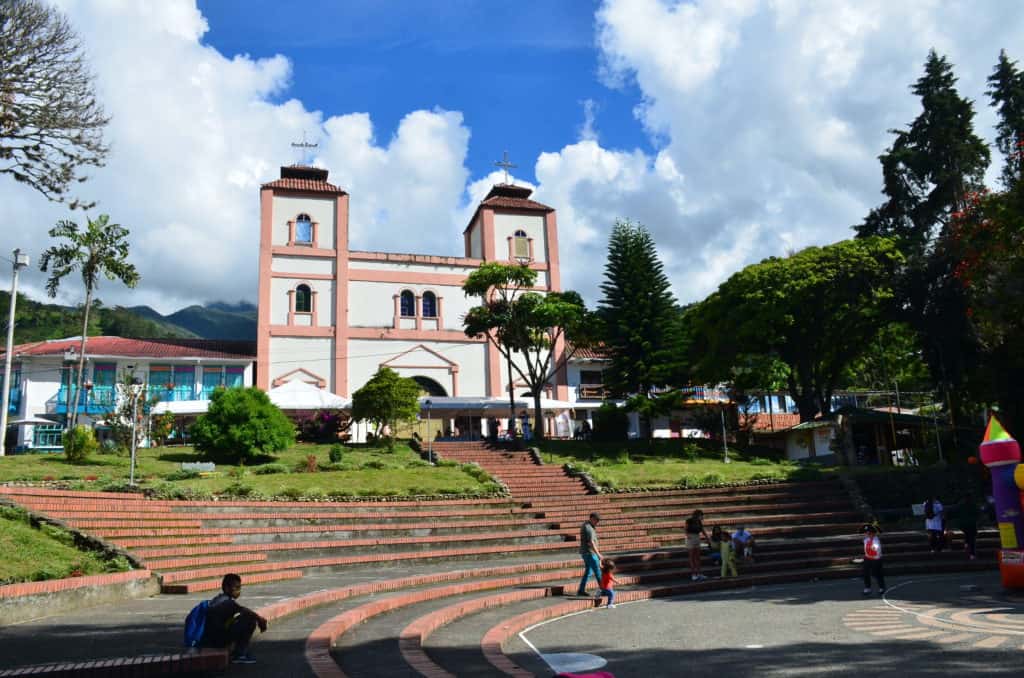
[229, 624]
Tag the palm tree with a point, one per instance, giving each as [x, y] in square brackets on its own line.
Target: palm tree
[100, 249]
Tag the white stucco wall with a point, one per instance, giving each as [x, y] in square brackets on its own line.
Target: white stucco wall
[505, 226]
[372, 304]
[476, 248]
[311, 265]
[356, 265]
[366, 356]
[314, 354]
[320, 210]
[279, 288]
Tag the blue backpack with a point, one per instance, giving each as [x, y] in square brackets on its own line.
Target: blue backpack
[195, 623]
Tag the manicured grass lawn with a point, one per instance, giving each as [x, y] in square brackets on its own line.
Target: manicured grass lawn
[32, 554]
[671, 462]
[362, 471]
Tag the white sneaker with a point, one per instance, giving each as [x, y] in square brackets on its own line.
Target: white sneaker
[701, 577]
[610, 605]
[693, 577]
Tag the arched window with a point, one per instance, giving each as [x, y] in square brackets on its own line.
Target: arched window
[408, 304]
[303, 229]
[521, 245]
[303, 299]
[429, 305]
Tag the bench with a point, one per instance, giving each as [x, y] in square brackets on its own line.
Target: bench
[203, 468]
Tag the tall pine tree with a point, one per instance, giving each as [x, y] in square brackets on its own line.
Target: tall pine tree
[640, 321]
[929, 173]
[1006, 91]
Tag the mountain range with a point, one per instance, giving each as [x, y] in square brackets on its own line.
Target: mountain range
[39, 321]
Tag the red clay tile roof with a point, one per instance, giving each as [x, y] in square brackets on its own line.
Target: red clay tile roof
[503, 202]
[778, 421]
[593, 353]
[143, 348]
[305, 185]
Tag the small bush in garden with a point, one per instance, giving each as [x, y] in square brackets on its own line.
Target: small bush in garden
[806, 473]
[335, 453]
[711, 479]
[238, 490]
[375, 464]
[79, 444]
[237, 473]
[269, 469]
[311, 464]
[290, 493]
[182, 474]
[241, 423]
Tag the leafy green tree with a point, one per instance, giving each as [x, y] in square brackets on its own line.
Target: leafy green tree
[241, 423]
[386, 400]
[928, 173]
[1006, 92]
[79, 444]
[100, 249]
[894, 358]
[815, 311]
[640, 324]
[531, 326]
[51, 125]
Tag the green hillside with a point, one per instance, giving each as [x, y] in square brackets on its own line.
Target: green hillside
[215, 320]
[36, 321]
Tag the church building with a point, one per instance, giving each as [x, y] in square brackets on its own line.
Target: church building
[332, 316]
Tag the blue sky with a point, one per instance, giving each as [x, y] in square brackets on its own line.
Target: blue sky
[519, 72]
[733, 129]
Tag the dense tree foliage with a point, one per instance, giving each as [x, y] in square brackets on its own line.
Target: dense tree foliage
[530, 330]
[641, 328]
[51, 126]
[100, 249]
[387, 399]
[1006, 93]
[928, 173]
[815, 312]
[241, 423]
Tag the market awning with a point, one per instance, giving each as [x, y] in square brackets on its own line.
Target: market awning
[299, 395]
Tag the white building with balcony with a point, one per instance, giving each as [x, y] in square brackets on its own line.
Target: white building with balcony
[181, 373]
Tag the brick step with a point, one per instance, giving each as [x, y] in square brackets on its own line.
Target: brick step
[213, 583]
[154, 556]
[138, 666]
[104, 501]
[687, 507]
[746, 519]
[717, 514]
[192, 541]
[826, 529]
[257, 518]
[826, 487]
[276, 527]
[201, 561]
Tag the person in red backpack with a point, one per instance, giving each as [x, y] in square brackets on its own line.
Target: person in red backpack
[872, 560]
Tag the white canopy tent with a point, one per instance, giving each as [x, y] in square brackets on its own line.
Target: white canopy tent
[299, 395]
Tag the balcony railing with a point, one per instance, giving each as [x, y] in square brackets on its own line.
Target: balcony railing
[95, 400]
[705, 394]
[591, 392]
[175, 393]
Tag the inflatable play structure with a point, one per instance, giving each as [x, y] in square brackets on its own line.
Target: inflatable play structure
[1001, 454]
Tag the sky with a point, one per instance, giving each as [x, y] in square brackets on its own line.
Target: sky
[734, 130]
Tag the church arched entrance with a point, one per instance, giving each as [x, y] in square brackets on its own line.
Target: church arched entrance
[429, 387]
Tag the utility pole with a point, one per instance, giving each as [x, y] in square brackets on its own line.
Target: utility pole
[20, 261]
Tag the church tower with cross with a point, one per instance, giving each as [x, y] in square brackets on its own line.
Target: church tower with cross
[332, 316]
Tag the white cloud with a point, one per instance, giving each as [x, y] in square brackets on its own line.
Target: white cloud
[769, 118]
[194, 133]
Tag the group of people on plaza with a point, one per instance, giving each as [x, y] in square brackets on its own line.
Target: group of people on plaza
[726, 549]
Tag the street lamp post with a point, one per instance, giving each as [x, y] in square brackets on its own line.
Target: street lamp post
[725, 441]
[70, 360]
[133, 392]
[430, 437]
[20, 262]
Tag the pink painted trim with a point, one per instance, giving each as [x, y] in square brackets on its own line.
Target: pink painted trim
[341, 271]
[494, 366]
[452, 336]
[300, 331]
[266, 259]
[511, 248]
[291, 306]
[312, 306]
[529, 241]
[401, 258]
[315, 229]
[303, 276]
[419, 312]
[487, 219]
[303, 251]
[562, 375]
[396, 321]
[291, 234]
[408, 278]
[551, 242]
[440, 311]
[320, 381]
[449, 365]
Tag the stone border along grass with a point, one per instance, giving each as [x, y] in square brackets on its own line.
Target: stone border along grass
[150, 493]
[741, 483]
[26, 601]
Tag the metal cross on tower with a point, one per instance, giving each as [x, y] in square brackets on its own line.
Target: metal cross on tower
[301, 147]
[505, 165]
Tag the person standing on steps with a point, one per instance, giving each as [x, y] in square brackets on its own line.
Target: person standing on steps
[694, 530]
[935, 523]
[966, 520]
[589, 552]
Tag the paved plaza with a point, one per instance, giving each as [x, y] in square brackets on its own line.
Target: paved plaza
[924, 626]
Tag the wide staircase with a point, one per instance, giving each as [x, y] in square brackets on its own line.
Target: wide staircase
[453, 617]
